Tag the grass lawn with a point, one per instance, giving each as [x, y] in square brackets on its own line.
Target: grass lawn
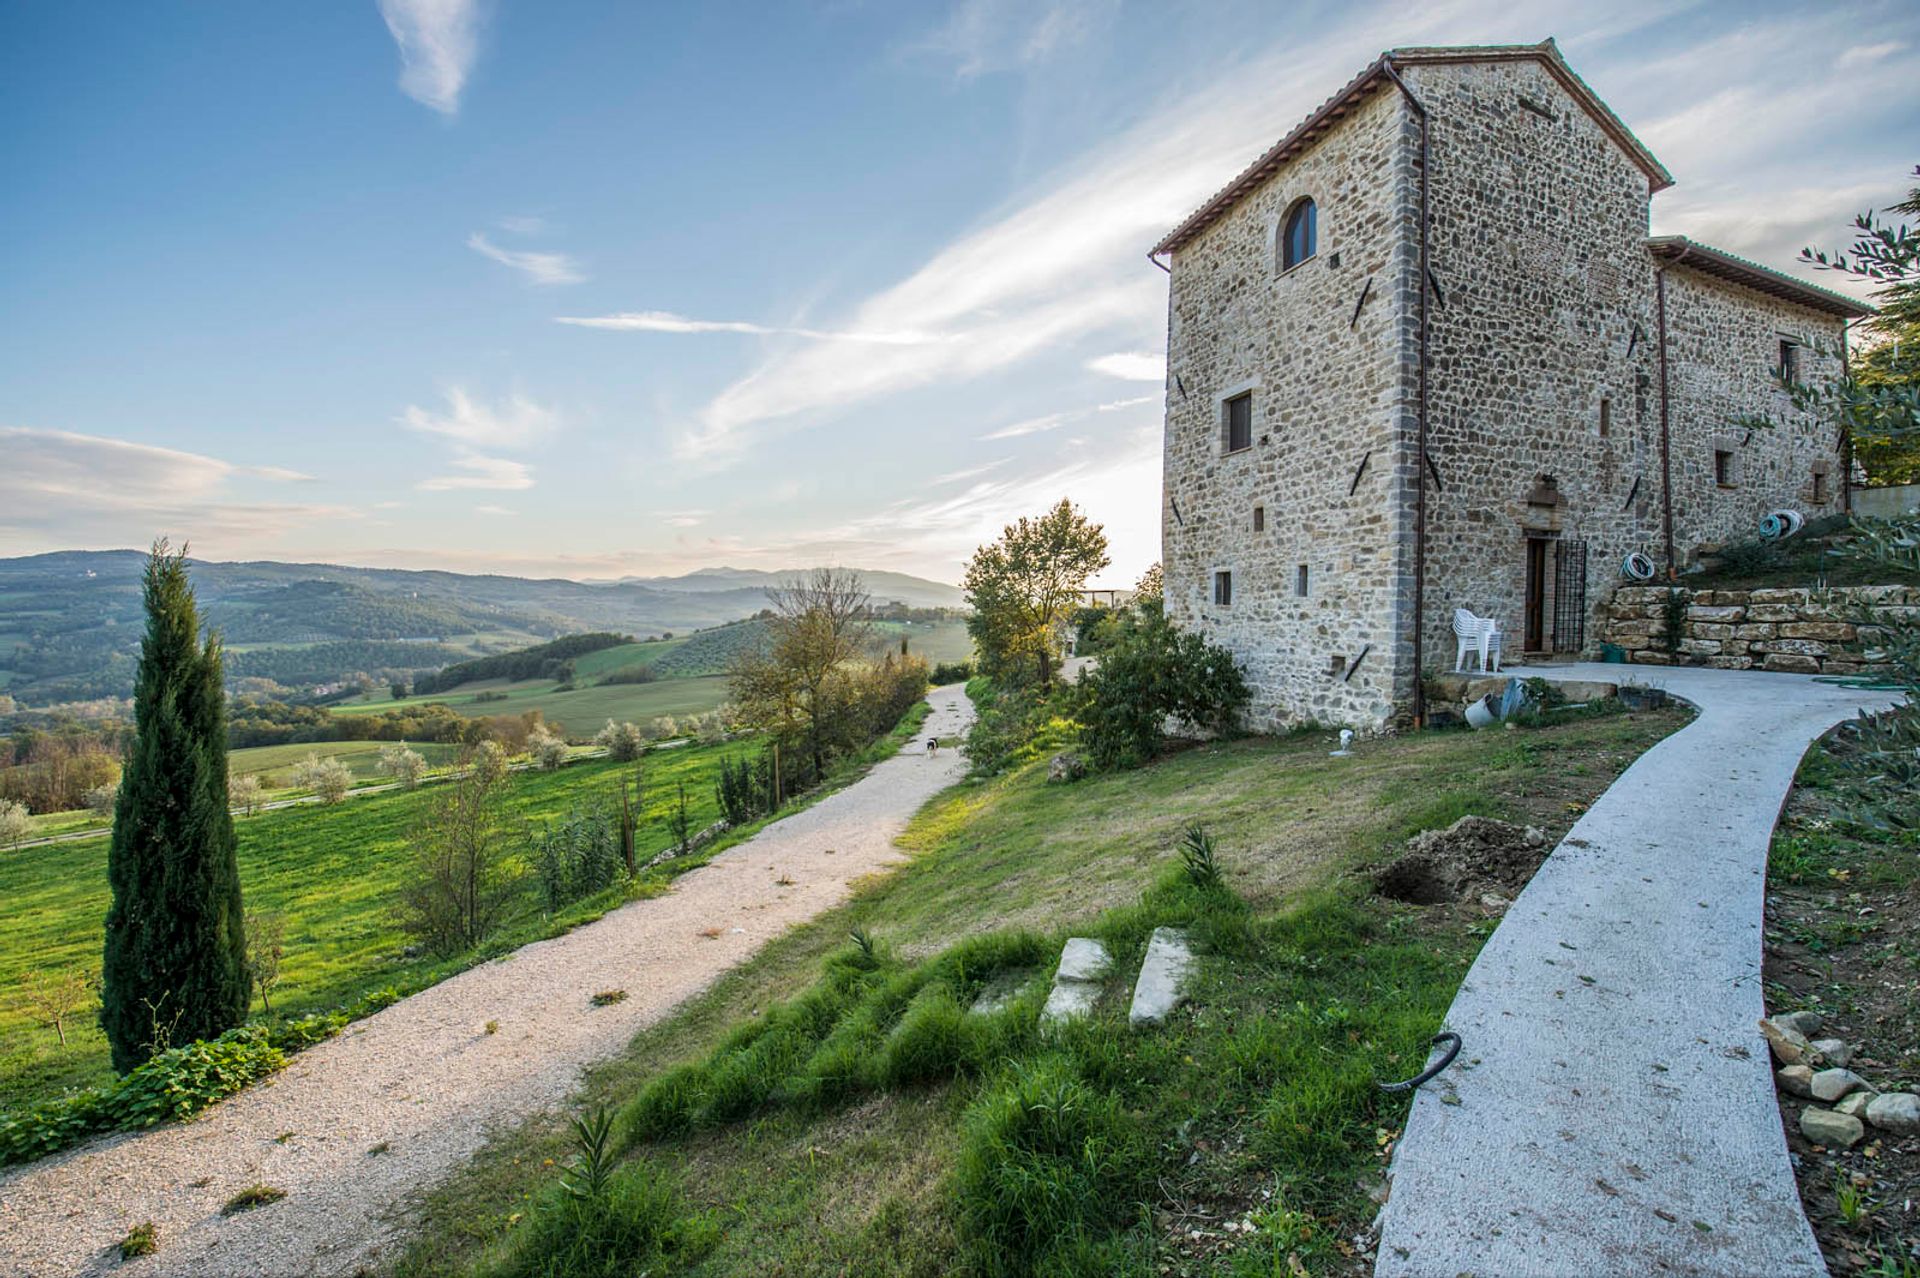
[582, 711]
[819, 1112]
[333, 871]
[274, 764]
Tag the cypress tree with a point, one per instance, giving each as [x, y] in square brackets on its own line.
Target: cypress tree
[175, 963]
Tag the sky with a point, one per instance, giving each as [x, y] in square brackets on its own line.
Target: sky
[600, 289]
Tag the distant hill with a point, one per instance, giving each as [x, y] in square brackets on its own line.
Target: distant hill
[70, 621]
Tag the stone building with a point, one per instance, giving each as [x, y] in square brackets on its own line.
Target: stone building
[1581, 384]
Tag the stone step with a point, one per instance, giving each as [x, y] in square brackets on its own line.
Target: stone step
[1084, 964]
[1162, 985]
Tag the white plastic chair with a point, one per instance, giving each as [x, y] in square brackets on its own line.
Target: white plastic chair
[1479, 634]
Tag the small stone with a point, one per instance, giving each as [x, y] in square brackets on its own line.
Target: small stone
[1835, 1050]
[1066, 766]
[1805, 1023]
[1896, 1112]
[1794, 1079]
[1493, 902]
[1535, 837]
[1854, 1104]
[1825, 1127]
[1832, 1084]
[1789, 1046]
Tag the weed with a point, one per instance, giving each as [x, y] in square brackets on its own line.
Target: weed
[1198, 859]
[607, 998]
[633, 1225]
[255, 1195]
[592, 1168]
[141, 1240]
[382, 1148]
[1852, 1202]
[864, 943]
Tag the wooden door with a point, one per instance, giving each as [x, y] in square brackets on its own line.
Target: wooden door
[1535, 639]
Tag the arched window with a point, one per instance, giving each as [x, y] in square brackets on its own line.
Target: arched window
[1298, 241]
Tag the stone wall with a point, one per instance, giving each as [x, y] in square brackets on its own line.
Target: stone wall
[1792, 630]
[1329, 393]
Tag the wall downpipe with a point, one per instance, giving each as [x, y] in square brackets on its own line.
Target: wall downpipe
[1666, 417]
[1420, 460]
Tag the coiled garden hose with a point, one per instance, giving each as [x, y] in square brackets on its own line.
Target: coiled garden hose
[1453, 1049]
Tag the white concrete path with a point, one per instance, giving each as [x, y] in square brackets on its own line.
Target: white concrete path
[424, 1082]
[1615, 1111]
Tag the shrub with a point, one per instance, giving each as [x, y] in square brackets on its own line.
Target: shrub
[623, 742]
[266, 946]
[578, 857]
[633, 1223]
[255, 1195]
[243, 792]
[745, 788]
[639, 672]
[141, 1240]
[101, 798]
[184, 1080]
[1154, 672]
[663, 728]
[1198, 860]
[1673, 619]
[461, 880]
[488, 761]
[951, 672]
[327, 778]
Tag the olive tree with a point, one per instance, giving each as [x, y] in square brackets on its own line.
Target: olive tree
[1025, 586]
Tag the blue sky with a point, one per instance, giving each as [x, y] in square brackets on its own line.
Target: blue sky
[599, 288]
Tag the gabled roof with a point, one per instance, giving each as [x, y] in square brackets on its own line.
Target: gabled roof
[1678, 250]
[1374, 78]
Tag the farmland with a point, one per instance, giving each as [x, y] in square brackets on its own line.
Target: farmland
[332, 871]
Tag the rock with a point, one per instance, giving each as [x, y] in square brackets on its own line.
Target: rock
[1794, 1079]
[1807, 1023]
[1493, 902]
[1855, 1104]
[1832, 1084]
[1834, 1050]
[1825, 1127]
[1083, 960]
[1789, 1046]
[1896, 1112]
[1536, 837]
[1066, 766]
[1069, 999]
[1163, 978]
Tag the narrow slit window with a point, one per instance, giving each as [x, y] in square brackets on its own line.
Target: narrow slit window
[1238, 426]
[1259, 518]
[1789, 361]
[1819, 486]
[1223, 589]
[1300, 581]
[1723, 467]
[1606, 416]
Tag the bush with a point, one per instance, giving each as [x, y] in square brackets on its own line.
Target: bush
[15, 825]
[623, 742]
[951, 672]
[403, 765]
[101, 798]
[1154, 672]
[185, 1080]
[634, 1224]
[637, 673]
[549, 751]
[745, 788]
[578, 857]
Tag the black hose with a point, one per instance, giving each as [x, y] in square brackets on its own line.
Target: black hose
[1453, 1049]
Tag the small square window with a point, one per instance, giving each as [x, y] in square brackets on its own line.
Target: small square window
[1723, 467]
[1259, 518]
[1300, 581]
[1223, 589]
[1238, 426]
[1789, 369]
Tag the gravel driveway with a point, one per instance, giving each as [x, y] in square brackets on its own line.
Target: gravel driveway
[423, 1082]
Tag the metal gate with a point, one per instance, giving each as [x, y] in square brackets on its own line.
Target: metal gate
[1569, 596]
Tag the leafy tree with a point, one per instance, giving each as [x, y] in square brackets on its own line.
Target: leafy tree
[243, 792]
[175, 954]
[1152, 584]
[796, 686]
[549, 750]
[328, 778]
[623, 742]
[1151, 672]
[15, 825]
[406, 766]
[489, 761]
[102, 798]
[1025, 586]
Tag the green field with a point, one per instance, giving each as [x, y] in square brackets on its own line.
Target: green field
[274, 764]
[333, 871]
[581, 712]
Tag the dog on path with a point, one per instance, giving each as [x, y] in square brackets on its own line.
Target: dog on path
[933, 746]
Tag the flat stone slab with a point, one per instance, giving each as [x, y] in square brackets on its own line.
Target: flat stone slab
[1620, 1115]
[1082, 959]
[1002, 990]
[1163, 977]
[1078, 981]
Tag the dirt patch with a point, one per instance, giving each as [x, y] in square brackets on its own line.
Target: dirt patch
[1474, 855]
[1843, 939]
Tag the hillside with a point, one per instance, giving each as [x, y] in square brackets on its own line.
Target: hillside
[70, 620]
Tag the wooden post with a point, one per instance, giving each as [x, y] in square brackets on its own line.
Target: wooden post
[776, 776]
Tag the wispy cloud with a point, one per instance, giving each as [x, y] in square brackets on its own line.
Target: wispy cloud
[71, 489]
[1132, 366]
[971, 472]
[495, 511]
[1053, 421]
[546, 269]
[683, 518]
[668, 322]
[438, 40]
[984, 36]
[480, 471]
[513, 422]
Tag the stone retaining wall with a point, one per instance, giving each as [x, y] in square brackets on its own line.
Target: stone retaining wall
[1794, 630]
